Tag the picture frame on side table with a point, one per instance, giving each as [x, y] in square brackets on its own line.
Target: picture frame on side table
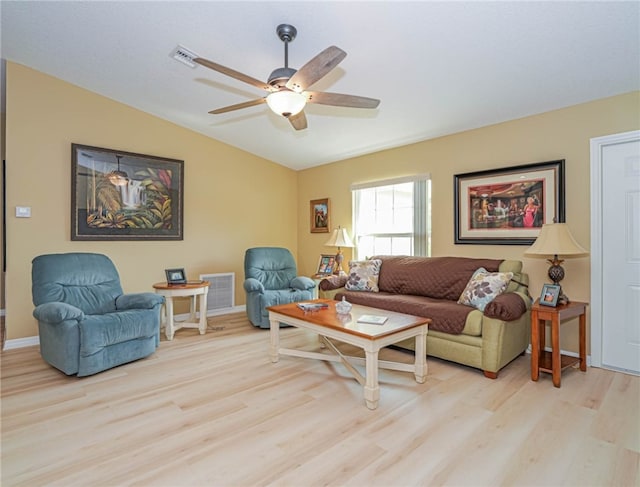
[325, 265]
[549, 295]
[320, 215]
[508, 206]
[175, 276]
[119, 195]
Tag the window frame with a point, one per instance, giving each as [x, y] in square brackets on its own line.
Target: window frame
[421, 232]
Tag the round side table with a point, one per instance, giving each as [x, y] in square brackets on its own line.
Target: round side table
[192, 290]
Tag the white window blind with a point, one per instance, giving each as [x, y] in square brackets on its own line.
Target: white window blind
[392, 217]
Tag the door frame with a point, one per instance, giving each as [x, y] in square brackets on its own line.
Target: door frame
[597, 146]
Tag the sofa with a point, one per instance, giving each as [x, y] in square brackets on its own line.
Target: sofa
[485, 332]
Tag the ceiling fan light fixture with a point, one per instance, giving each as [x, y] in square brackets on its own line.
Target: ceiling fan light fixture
[286, 102]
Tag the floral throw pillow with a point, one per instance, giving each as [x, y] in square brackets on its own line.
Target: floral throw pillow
[363, 275]
[483, 287]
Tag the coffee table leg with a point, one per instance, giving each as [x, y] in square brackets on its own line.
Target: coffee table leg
[274, 336]
[371, 387]
[421, 358]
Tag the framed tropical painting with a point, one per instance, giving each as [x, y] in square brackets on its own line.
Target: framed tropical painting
[119, 195]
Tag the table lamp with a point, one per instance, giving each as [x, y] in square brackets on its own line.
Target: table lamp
[556, 239]
[339, 238]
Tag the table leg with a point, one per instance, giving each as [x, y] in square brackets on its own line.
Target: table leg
[274, 337]
[421, 366]
[371, 387]
[202, 327]
[169, 329]
[535, 347]
[583, 344]
[555, 351]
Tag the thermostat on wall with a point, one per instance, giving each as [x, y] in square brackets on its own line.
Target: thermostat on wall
[23, 211]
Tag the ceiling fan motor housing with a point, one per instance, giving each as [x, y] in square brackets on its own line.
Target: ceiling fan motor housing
[279, 77]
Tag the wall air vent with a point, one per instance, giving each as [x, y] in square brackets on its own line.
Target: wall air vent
[220, 296]
[185, 56]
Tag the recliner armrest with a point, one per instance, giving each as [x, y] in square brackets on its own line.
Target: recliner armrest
[252, 285]
[303, 283]
[56, 312]
[138, 301]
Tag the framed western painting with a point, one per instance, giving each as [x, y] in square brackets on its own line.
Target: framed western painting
[118, 195]
[319, 210]
[508, 206]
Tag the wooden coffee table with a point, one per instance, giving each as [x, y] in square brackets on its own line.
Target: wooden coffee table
[327, 323]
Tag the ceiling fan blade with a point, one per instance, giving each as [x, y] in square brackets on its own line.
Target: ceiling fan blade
[339, 100]
[316, 68]
[233, 73]
[238, 106]
[299, 121]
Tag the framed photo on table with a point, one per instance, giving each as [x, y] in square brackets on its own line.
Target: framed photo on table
[175, 276]
[550, 294]
[508, 206]
[325, 265]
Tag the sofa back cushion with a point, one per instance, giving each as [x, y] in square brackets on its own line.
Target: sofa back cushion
[434, 277]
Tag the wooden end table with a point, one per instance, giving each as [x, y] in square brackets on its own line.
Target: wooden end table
[192, 290]
[554, 362]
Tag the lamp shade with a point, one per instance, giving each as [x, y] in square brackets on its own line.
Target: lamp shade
[339, 238]
[286, 102]
[556, 239]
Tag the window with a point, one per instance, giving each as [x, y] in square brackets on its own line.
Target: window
[392, 217]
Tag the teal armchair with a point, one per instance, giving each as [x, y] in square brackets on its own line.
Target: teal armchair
[270, 279]
[86, 323]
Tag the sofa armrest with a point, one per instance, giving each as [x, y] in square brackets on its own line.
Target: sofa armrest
[303, 283]
[252, 285]
[332, 282]
[55, 313]
[138, 301]
[508, 306]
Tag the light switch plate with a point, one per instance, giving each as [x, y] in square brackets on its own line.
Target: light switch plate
[23, 212]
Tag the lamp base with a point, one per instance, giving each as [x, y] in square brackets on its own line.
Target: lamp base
[556, 274]
[337, 268]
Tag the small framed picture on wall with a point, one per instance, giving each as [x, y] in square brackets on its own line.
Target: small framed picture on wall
[319, 210]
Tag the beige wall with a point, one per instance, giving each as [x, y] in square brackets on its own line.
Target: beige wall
[227, 191]
[561, 134]
[45, 115]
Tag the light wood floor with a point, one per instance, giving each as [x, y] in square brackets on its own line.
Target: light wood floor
[213, 410]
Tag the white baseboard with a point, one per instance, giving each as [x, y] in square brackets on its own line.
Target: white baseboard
[31, 341]
[21, 342]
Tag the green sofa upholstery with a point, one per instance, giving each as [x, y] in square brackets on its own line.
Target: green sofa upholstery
[488, 341]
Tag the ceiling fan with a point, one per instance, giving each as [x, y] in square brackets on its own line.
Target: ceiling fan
[287, 87]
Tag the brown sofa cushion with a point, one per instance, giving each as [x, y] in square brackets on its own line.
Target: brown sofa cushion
[507, 307]
[435, 277]
[446, 316]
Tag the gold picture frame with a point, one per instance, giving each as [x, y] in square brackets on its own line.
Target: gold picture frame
[320, 213]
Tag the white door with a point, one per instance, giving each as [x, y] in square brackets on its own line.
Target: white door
[617, 257]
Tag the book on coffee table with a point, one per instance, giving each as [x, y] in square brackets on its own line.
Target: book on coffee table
[372, 319]
[312, 306]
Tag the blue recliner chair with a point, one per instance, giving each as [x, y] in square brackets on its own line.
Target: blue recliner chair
[270, 279]
[86, 323]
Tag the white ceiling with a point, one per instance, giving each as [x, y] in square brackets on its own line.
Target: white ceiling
[437, 67]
